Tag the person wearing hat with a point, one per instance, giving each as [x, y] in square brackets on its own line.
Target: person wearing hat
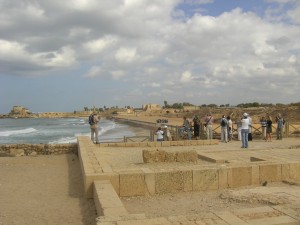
[245, 130]
[167, 134]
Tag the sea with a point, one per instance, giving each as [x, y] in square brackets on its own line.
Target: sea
[58, 130]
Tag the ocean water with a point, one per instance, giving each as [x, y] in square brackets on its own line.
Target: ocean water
[58, 131]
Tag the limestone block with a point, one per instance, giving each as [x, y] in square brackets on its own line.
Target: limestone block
[149, 181]
[132, 183]
[173, 143]
[205, 179]
[150, 156]
[291, 171]
[255, 175]
[150, 144]
[170, 156]
[270, 173]
[200, 142]
[223, 177]
[106, 199]
[239, 176]
[206, 142]
[193, 142]
[169, 182]
[187, 143]
[187, 156]
[157, 143]
[187, 179]
[180, 143]
[165, 144]
[143, 144]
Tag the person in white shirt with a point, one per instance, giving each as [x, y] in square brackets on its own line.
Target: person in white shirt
[160, 134]
[245, 130]
[230, 128]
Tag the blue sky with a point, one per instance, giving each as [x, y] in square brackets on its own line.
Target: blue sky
[65, 55]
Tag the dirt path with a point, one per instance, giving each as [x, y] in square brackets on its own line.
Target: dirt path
[43, 190]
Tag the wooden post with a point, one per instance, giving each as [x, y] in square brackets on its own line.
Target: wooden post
[287, 129]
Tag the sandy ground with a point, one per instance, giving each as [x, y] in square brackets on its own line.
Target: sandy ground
[43, 190]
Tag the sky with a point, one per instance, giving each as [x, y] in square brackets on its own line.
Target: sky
[61, 56]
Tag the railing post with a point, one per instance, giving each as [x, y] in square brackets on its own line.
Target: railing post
[287, 129]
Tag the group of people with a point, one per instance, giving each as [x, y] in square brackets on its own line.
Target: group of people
[244, 128]
[266, 125]
[163, 134]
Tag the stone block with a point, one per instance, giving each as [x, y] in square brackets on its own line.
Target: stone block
[255, 175]
[187, 179]
[165, 144]
[149, 181]
[132, 183]
[151, 144]
[106, 200]
[150, 156]
[290, 171]
[157, 143]
[270, 173]
[200, 142]
[170, 156]
[223, 177]
[239, 176]
[173, 143]
[143, 144]
[187, 156]
[180, 143]
[169, 181]
[205, 179]
[206, 142]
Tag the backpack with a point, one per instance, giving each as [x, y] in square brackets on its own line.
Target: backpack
[223, 123]
[91, 119]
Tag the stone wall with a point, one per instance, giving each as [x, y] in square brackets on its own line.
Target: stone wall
[37, 149]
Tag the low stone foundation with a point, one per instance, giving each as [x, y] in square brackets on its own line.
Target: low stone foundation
[37, 149]
[152, 156]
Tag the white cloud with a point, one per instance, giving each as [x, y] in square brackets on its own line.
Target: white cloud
[126, 55]
[186, 77]
[139, 43]
[96, 46]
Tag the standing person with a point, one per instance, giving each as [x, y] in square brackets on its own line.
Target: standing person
[224, 134]
[209, 126]
[230, 128]
[167, 134]
[160, 134]
[280, 124]
[245, 130]
[239, 129]
[185, 127]
[93, 121]
[263, 123]
[196, 124]
[250, 128]
[269, 128]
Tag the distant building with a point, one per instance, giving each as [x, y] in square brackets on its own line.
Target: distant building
[19, 110]
[150, 107]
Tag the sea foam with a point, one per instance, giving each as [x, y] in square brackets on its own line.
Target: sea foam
[17, 132]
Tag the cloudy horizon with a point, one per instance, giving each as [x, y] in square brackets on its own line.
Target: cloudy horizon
[65, 55]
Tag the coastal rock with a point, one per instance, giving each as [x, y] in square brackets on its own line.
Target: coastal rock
[16, 152]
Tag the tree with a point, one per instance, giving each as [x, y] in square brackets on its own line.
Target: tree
[165, 103]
